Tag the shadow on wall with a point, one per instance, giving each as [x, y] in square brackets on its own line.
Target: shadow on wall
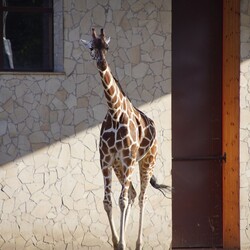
[39, 110]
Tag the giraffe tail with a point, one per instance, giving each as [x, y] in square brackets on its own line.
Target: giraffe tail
[161, 187]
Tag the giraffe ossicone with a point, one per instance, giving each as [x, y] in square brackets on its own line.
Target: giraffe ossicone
[127, 136]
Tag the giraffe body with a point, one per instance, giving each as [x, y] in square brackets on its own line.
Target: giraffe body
[127, 133]
[127, 136]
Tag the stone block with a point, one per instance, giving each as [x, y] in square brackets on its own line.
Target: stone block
[128, 69]
[156, 68]
[91, 4]
[148, 46]
[68, 185]
[79, 115]
[78, 192]
[134, 54]
[117, 16]
[99, 15]
[71, 220]
[99, 112]
[85, 24]
[3, 127]
[74, 35]
[41, 209]
[115, 5]
[66, 234]
[6, 93]
[69, 66]
[19, 115]
[152, 26]
[52, 85]
[244, 152]
[13, 183]
[6, 230]
[57, 232]
[90, 142]
[8, 106]
[20, 90]
[79, 234]
[136, 40]
[68, 202]
[137, 6]
[80, 5]
[125, 24]
[166, 21]
[38, 137]
[26, 175]
[26, 230]
[146, 96]
[245, 118]
[8, 206]
[123, 43]
[140, 70]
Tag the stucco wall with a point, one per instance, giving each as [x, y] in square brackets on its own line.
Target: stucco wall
[51, 187]
[245, 126]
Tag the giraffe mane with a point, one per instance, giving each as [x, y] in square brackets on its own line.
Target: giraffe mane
[118, 84]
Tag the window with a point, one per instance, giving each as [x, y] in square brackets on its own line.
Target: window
[26, 28]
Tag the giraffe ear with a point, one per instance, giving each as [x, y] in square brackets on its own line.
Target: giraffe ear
[86, 44]
[107, 40]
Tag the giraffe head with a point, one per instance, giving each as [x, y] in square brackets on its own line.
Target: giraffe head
[98, 46]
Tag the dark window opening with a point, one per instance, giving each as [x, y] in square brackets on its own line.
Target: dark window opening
[26, 28]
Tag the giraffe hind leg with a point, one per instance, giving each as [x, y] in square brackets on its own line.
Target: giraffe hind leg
[131, 200]
[146, 166]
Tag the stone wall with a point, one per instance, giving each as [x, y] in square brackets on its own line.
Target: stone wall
[245, 126]
[51, 187]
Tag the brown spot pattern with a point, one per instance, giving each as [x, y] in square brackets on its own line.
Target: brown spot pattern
[107, 78]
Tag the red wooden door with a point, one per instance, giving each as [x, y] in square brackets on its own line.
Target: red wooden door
[197, 123]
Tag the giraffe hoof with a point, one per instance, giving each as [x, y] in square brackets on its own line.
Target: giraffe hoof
[121, 246]
[138, 246]
[115, 244]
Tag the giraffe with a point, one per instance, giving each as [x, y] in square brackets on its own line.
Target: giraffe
[127, 136]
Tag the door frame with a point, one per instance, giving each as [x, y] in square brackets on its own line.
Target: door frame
[230, 122]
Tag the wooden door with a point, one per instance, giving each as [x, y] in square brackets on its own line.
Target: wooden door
[197, 123]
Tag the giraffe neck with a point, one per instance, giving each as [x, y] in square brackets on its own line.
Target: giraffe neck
[112, 90]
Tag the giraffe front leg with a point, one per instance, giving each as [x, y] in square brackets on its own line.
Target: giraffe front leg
[123, 204]
[108, 208]
[118, 169]
[107, 202]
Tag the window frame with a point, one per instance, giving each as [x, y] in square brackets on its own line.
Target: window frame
[56, 39]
